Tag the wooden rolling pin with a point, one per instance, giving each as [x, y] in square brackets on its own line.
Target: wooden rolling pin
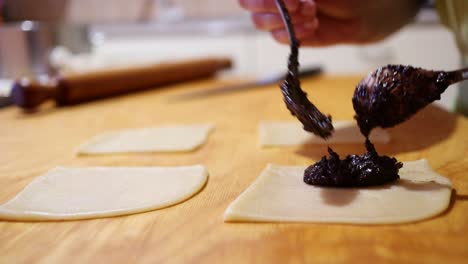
[74, 89]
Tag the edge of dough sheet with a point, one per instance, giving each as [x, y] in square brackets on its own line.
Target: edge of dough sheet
[232, 216]
[81, 150]
[37, 216]
[267, 138]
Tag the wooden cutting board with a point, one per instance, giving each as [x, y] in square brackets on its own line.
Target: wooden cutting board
[194, 231]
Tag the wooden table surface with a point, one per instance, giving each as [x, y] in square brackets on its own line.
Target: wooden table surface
[194, 231]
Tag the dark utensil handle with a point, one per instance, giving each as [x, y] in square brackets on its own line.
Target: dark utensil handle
[310, 71]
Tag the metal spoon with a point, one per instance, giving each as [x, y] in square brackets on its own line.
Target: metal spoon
[295, 98]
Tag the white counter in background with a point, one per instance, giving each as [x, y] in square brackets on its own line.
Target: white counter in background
[255, 53]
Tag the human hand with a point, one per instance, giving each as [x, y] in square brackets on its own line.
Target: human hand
[328, 22]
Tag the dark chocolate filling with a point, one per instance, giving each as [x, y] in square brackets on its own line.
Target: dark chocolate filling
[355, 170]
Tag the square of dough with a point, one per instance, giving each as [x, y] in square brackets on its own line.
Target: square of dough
[94, 192]
[291, 133]
[171, 138]
[280, 195]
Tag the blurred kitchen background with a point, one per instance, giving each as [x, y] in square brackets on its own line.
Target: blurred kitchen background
[82, 35]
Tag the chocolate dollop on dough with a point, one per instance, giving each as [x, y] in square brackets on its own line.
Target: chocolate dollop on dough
[355, 170]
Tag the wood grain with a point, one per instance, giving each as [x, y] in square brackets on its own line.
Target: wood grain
[194, 231]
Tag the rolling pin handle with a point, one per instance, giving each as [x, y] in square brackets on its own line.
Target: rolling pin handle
[29, 95]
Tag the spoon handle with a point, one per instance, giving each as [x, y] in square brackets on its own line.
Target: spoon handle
[456, 76]
[459, 75]
[464, 73]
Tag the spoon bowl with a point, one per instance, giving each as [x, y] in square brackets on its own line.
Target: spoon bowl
[393, 93]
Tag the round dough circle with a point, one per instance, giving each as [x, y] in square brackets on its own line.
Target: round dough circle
[81, 193]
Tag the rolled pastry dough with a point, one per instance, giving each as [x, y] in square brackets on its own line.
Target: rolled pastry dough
[280, 195]
[290, 133]
[81, 193]
[174, 138]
